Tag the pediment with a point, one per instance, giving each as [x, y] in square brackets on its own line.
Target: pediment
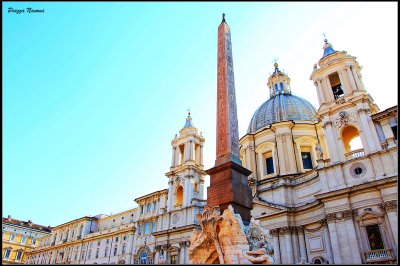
[262, 208]
[365, 215]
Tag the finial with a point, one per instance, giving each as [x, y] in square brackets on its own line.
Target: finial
[325, 39]
[188, 111]
[275, 62]
[223, 17]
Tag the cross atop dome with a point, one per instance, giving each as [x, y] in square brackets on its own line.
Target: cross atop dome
[328, 48]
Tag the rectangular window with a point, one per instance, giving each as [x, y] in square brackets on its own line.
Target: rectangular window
[147, 228]
[23, 239]
[140, 229]
[154, 227]
[19, 255]
[7, 254]
[34, 241]
[394, 129]
[173, 259]
[115, 251]
[270, 165]
[306, 157]
[374, 237]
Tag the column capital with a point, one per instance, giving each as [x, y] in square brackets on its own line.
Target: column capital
[330, 217]
[286, 229]
[274, 232]
[300, 229]
[388, 206]
[327, 123]
[324, 221]
[348, 214]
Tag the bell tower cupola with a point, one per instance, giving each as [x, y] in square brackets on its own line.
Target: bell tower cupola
[345, 107]
[186, 175]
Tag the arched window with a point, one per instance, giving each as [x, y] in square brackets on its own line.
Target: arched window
[115, 250]
[281, 86]
[143, 257]
[196, 187]
[106, 252]
[123, 249]
[351, 139]
[179, 196]
[149, 207]
[83, 254]
[276, 87]
[90, 254]
[155, 206]
[97, 253]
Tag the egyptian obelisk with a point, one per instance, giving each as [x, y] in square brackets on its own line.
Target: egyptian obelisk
[228, 178]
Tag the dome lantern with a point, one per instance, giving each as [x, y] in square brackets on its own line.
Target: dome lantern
[278, 82]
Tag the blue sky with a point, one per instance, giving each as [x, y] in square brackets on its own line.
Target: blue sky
[93, 93]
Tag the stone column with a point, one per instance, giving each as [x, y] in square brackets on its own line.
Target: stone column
[351, 77]
[346, 90]
[282, 247]
[201, 155]
[260, 165]
[201, 189]
[331, 141]
[302, 243]
[186, 192]
[173, 157]
[177, 152]
[277, 253]
[281, 155]
[320, 92]
[351, 234]
[289, 247]
[157, 255]
[327, 241]
[356, 78]
[367, 131]
[290, 154]
[390, 207]
[295, 243]
[182, 253]
[170, 206]
[331, 220]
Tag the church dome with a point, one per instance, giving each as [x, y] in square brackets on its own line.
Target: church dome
[282, 105]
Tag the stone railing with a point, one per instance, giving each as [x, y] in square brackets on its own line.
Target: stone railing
[354, 154]
[379, 255]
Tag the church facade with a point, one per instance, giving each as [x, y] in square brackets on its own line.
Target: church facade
[323, 196]
[323, 182]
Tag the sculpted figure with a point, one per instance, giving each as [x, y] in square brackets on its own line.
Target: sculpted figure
[318, 148]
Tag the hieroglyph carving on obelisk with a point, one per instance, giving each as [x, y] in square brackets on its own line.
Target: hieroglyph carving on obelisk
[227, 123]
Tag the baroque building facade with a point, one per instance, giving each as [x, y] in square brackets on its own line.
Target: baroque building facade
[19, 238]
[323, 196]
[157, 231]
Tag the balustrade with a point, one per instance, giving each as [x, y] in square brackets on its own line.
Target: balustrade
[379, 255]
[354, 154]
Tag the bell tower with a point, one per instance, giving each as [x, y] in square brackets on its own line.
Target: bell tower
[345, 106]
[186, 175]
